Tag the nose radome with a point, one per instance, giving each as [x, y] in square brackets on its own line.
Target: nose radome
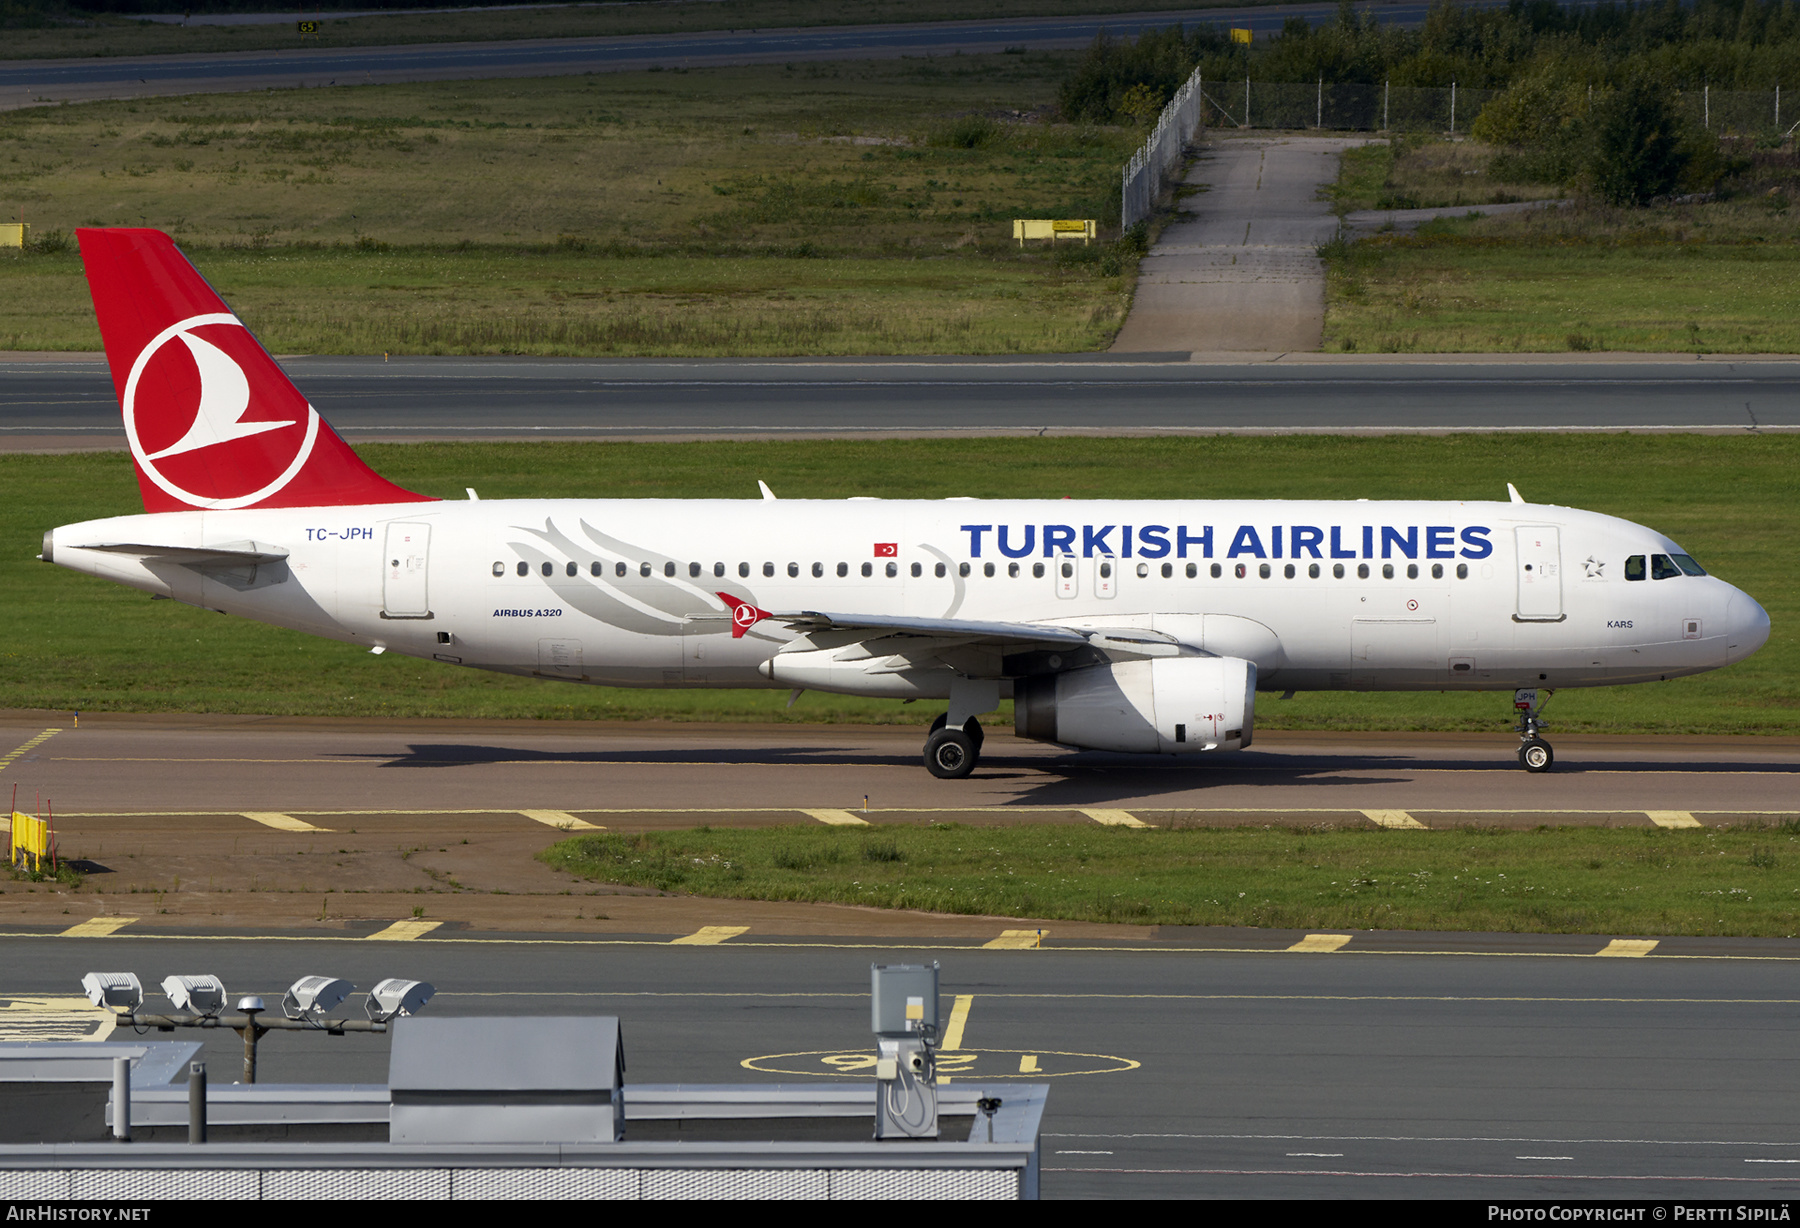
[1746, 625]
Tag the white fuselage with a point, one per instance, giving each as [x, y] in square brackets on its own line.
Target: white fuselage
[1406, 595]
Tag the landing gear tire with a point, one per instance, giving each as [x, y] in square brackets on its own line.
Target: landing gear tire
[950, 754]
[1536, 755]
[973, 729]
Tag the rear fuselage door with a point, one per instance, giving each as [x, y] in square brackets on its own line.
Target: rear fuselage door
[403, 586]
[1539, 564]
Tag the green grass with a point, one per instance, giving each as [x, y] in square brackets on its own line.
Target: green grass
[105, 35]
[817, 208]
[1717, 276]
[1741, 881]
[74, 642]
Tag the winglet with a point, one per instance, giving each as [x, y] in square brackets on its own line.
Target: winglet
[768, 495]
[1513, 493]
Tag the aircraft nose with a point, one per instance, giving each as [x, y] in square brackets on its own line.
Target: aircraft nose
[1747, 626]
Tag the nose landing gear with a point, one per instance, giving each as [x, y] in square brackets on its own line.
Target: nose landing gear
[951, 754]
[1535, 754]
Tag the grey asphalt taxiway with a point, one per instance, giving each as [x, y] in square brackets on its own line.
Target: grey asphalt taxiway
[53, 403]
[1177, 1069]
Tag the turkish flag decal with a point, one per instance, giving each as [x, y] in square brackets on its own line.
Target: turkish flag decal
[887, 550]
[743, 615]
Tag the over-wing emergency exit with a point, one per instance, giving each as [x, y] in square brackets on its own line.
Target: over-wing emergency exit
[1127, 626]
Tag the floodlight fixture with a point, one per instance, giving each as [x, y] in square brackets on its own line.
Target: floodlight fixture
[114, 990]
[396, 996]
[203, 994]
[314, 995]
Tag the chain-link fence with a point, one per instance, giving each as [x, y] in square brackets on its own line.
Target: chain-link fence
[1451, 109]
[1150, 166]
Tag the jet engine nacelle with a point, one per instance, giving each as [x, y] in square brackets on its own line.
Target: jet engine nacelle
[1170, 706]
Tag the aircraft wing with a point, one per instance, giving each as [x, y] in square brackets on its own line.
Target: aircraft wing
[908, 643]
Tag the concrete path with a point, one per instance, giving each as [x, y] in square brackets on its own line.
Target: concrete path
[1243, 274]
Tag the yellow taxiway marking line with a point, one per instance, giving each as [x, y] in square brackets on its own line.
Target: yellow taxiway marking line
[1396, 819]
[97, 927]
[54, 1018]
[709, 936]
[1115, 818]
[1628, 947]
[1673, 818]
[1321, 942]
[959, 1019]
[1015, 940]
[403, 931]
[837, 818]
[9, 756]
[281, 822]
[386, 811]
[560, 819]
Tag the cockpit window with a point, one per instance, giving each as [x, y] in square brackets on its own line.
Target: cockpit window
[1634, 567]
[1661, 568]
[1687, 564]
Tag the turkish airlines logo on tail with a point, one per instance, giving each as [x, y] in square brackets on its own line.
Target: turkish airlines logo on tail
[743, 615]
[206, 429]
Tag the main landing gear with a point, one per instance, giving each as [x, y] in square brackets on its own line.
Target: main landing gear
[1535, 754]
[951, 754]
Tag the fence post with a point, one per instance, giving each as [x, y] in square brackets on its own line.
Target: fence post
[1385, 85]
[1778, 107]
[1320, 123]
[1453, 108]
[1706, 107]
[1246, 100]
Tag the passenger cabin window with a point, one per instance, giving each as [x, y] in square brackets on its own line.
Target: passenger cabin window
[962, 569]
[1362, 571]
[1634, 567]
[1194, 570]
[1312, 571]
[893, 569]
[744, 570]
[818, 571]
[793, 571]
[1240, 571]
[1337, 571]
[549, 568]
[1462, 571]
[987, 569]
[939, 570]
[1143, 570]
[620, 569]
[917, 571]
[573, 569]
[1168, 571]
[1288, 571]
[597, 569]
[1012, 570]
[499, 569]
[718, 570]
[1387, 571]
[524, 569]
[843, 570]
[1662, 567]
[769, 570]
[693, 571]
[868, 569]
[643, 569]
[1105, 570]
[1037, 571]
[1412, 571]
[1216, 571]
[668, 569]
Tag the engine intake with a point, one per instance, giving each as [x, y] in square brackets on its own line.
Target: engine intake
[1170, 706]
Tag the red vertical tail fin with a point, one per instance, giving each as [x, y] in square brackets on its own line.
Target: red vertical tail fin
[212, 421]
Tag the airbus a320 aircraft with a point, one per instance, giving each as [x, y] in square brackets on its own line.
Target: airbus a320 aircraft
[1123, 626]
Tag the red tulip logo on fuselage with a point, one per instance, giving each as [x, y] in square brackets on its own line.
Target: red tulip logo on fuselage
[212, 420]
